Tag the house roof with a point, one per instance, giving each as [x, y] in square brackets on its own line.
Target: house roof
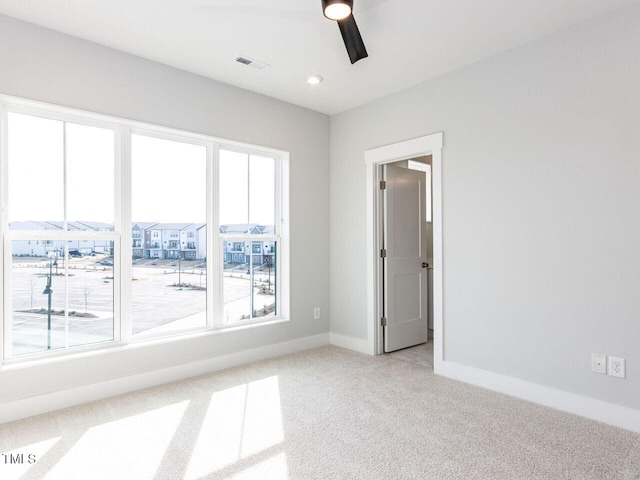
[100, 226]
[144, 225]
[34, 225]
[55, 225]
[170, 226]
[243, 228]
[234, 228]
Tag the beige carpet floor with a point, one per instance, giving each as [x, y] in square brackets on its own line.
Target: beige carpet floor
[326, 413]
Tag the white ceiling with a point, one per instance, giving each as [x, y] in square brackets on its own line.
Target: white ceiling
[409, 41]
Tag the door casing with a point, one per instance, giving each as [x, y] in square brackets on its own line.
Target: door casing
[374, 159]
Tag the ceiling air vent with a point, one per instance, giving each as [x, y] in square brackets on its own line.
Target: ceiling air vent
[252, 63]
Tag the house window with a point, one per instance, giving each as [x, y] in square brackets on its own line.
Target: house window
[81, 191]
[168, 189]
[60, 173]
[249, 204]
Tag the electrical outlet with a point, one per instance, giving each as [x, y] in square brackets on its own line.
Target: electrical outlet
[599, 363]
[316, 313]
[617, 367]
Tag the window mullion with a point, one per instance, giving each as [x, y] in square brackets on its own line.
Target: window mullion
[215, 294]
[65, 220]
[5, 330]
[5, 302]
[123, 296]
[65, 228]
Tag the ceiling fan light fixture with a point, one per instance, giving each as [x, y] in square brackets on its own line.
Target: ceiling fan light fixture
[337, 9]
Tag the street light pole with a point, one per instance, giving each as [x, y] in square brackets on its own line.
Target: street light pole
[48, 291]
[179, 265]
[268, 265]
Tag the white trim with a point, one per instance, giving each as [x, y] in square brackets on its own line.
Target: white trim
[351, 343]
[280, 235]
[67, 398]
[405, 150]
[215, 267]
[374, 158]
[124, 223]
[86, 117]
[123, 130]
[610, 413]
[4, 223]
[6, 302]
[284, 254]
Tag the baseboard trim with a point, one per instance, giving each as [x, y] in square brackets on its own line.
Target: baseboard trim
[350, 343]
[605, 412]
[29, 407]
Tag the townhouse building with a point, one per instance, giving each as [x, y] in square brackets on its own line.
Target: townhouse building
[153, 240]
[44, 248]
[240, 252]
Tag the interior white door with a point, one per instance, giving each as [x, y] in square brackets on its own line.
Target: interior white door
[405, 272]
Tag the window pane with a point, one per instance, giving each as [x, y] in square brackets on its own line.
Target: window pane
[90, 169]
[249, 280]
[247, 194]
[58, 303]
[234, 190]
[168, 235]
[36, 174]
[262, 193]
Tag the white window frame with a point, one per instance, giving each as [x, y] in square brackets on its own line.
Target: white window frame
[280, 237]
[122, 235]
[26, 107]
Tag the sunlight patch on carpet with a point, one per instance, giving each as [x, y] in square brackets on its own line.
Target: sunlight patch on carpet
[241, 422]
[151, 433]
[17, 463]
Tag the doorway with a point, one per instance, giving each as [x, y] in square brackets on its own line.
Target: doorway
[430, 145]
[405, 227]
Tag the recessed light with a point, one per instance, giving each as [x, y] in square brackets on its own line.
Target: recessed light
[314, 79]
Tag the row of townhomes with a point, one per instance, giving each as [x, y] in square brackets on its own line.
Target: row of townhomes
[151, 240]
[44, 248]
[169, 240]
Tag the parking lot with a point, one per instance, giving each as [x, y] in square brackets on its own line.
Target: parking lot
[163, 299]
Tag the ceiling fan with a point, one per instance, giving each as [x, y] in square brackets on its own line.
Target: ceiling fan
[341, 12]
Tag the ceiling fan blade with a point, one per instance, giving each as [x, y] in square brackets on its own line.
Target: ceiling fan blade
[352, 39]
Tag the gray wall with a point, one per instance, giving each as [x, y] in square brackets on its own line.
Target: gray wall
[541, 202]
[43, 65]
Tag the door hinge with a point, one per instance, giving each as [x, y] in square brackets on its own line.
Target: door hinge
[383, 185]
[383, 253]
[383, 321]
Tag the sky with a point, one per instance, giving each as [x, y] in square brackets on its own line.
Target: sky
[168, 177]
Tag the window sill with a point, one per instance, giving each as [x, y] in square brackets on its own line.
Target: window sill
[59, 356]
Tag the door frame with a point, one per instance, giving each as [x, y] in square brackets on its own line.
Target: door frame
[374, 159]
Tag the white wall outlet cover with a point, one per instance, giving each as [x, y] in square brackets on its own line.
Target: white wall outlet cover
[617, 367]
[599, 363]
[316, 313]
